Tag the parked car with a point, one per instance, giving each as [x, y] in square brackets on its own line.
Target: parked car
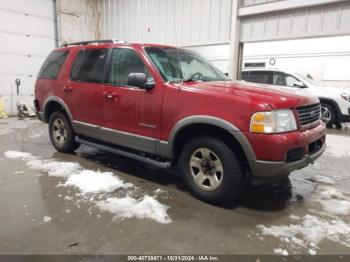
[170, 107]
[335, 102]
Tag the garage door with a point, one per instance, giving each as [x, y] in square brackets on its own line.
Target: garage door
[26, 38]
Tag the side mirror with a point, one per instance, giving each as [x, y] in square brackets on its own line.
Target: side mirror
[139, 80]
[299, 84]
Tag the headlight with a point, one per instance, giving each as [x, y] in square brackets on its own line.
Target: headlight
[270, 122]
[345, 96]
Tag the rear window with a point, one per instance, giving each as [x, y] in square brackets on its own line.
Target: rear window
[89, 66]
[52, 65]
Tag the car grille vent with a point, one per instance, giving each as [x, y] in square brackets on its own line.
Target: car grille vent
[309, 114]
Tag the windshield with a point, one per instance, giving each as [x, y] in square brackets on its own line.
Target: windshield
[308, 79]
[183, 65]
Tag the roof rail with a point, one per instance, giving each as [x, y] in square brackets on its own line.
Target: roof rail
[93, 42]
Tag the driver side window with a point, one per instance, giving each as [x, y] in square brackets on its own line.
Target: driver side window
[125, 61]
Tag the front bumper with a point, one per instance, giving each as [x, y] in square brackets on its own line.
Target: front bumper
[311, 139]
[271, 170]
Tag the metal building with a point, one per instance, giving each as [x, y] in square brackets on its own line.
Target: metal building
[219, 28]
[26, 37]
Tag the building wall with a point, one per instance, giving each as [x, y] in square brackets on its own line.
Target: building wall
[200, 25]
[255, 2]
[78, 20]
[175, 22]
[26, 37]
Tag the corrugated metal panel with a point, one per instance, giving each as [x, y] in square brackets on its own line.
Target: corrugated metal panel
[178, 22]
[26, 38]
[325, 20]
[255, 2]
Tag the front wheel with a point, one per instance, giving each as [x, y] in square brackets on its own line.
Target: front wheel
[328, 115]
[211, 170]
[61, 133]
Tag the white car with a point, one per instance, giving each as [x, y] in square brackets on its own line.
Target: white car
[335, 102]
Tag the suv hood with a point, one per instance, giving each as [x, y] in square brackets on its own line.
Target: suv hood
[276, 97]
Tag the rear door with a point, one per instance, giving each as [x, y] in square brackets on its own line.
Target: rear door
[83, 91]
[131, 116]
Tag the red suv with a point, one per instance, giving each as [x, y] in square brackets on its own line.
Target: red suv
[170, 107]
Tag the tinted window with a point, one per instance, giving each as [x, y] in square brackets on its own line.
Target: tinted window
[89, 66]
[123, 62]
[76, 66]
[53, 64]
[261, 77]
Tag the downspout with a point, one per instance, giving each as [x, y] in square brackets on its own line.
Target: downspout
[55, 22]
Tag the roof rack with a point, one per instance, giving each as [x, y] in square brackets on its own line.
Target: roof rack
[93, 42]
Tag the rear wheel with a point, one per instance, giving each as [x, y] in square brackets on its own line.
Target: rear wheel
[61, 133]
[328, 115]
[211, 170]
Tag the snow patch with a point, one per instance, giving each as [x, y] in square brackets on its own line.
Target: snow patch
[323, 179]
[330, 193]
[280, 251]
[311, 231]
[101, 183]
[333, 201]
[18, 155]
[89, 181]
[54, 168]
[294, 217]
[128, 207]
[336, 206]
[312, 252]
[46, 219]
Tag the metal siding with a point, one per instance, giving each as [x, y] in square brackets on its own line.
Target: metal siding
[26, 38]
[324, 20]
[177, 22]
[255, 2]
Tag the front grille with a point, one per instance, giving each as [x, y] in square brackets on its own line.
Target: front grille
[309, 114]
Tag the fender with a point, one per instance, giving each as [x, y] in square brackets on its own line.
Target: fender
[167, 147]
[59, 101]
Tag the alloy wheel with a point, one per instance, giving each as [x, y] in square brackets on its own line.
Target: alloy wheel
[206, 169]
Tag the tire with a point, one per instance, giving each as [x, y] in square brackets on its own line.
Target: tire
[329, 115]
[61, 133]
[220, 177]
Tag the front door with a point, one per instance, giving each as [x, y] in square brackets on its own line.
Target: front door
[131, 115]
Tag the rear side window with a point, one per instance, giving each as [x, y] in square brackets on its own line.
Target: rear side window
[261, 77]
[52, 65]
[89, 66]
